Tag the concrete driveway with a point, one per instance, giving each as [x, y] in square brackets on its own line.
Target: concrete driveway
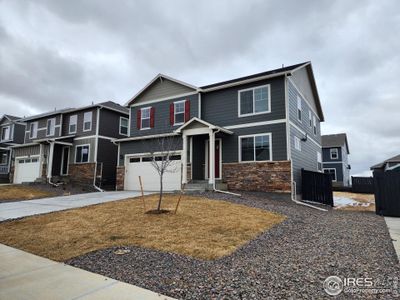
[393, 225]
[13, 210]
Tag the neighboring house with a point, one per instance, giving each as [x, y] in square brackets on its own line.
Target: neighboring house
[72, 144]
[335, 157]
[391, 164]
[12, 132]
[251, 133]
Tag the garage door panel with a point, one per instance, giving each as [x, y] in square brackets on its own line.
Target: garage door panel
[26, 170]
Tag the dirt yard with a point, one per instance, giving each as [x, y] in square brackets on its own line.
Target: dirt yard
[202, 228]
[366, 201]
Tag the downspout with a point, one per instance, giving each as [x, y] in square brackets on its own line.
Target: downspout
[96, 148]
[214, 189]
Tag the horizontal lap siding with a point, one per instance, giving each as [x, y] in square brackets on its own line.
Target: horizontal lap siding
[42, 129]
[162, 116]
[339, 170]
[108, 156]
[326, 154]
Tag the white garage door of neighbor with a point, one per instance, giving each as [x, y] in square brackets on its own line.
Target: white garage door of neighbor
[141, 166]
[26, 170]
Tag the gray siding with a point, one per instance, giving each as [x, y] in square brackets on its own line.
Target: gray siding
[326, 155]
[221, 107]
[145, 146]
[302, 81]
[42, 128]
[162, 89]
[339, 170]
[89, 141]
[19, 133]
[109, 123]
[79, 129]
[161, 116]
[108, 156]
[27, 151]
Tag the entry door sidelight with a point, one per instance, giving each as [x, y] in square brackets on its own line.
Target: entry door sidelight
[65, 159]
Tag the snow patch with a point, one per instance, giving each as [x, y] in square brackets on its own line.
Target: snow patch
[343, 201]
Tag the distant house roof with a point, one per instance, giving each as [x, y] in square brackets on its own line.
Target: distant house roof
[10, 118]
[394, 159]
[47, 114]
[335, 140]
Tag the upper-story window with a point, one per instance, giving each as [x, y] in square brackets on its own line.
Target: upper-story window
[315, 125]
[179, 112]
[310, 118]
[33, 127]
[255, 147]
[73, 120]
[51, 126]
[299, 108]
[123, 126]
[5, 133]
[87, 121]
[145, 121]
[254, 101]
[3, 159]
[334, 153]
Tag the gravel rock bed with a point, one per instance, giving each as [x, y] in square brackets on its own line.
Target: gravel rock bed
[290, 261]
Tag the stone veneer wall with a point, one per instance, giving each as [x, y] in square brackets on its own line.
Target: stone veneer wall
[119, 185]
[82, 173]
[258, 176]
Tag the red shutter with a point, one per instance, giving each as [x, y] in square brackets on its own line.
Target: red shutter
[171, 113]
[187, 110]
[152, 110]
[139, 119]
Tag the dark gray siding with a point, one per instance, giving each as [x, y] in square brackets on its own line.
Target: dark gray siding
[161, 116]
[19, 133]
[145, 146]
[107, 155]
[326, 155]
[79, 130]
[42, 128]
[27, 151]
[221, 107]
[91, 141]
[339, 170]
[302, 81]
[109, 123]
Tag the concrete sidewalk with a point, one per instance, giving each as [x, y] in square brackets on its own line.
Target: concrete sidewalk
[13, 210]
[393, 225]
[27, 276]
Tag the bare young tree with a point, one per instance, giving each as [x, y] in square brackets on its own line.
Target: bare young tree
[165, 160]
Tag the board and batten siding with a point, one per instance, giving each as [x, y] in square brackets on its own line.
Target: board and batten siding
[27, 151]
[79, 128]
[221, 107]
[109, 123]
[91, 142]
[161, 116]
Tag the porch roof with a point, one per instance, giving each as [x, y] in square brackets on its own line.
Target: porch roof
[205, 124]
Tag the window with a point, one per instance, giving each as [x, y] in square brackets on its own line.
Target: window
[297, 143]
[179, 112]
[134, 159]
[51, 123]
[299, 109]
[5, 133]
[33, 130]
[332, 172]
[3, 159]
[254, 101]
[145, 118]
[123, 126]
[334, 153]
[82, 154]
[72, 123]
[310, 118]
[87, 121]
[319, 161]
[315, 125]
[255, 148]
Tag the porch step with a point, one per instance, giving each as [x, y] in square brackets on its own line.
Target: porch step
[202, 186]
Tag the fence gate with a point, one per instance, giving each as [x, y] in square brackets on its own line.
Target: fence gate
[362, 185]
[387, 193]
[316, 187]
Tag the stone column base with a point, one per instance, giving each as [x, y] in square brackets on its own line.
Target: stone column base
[119, 185]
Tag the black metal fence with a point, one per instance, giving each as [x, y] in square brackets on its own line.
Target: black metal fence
[362, 185]
[387, 193]
[316, 187]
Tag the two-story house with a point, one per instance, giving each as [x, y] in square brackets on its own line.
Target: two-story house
[251, 133]
[12, 133]
[390, 164]
[75, 144]
[335, 157]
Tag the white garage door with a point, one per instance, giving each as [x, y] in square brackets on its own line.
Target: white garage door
[26, 170]
[142, 166]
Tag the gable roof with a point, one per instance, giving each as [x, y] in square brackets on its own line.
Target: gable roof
[47, 114]
[395, 159]
[335, 140]
[204, 123]
[9, 117]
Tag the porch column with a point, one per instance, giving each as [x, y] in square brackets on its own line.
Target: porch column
[211, 163]
[50, 162]
[184, 158]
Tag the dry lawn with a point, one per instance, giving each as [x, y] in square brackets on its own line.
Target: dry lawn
[20, 192]
[202, 228]
[362, 198]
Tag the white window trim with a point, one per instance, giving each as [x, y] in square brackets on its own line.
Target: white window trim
[76, 147]
[76, 123]
[329, 169]
[184, 109]
[9, 133]
[2, 155]
[268, 86]
[297, 143]
[315, 131]
[33, 135]
[337, 153]
[52, 128]
[254, 135]
[310, 118]
[207, 144]
[299, 101]
[127, 125]
[62, 160]
[319, 161]
[91, 118]
[141, 118]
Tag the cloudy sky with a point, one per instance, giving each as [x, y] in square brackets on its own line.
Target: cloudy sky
[55, 54]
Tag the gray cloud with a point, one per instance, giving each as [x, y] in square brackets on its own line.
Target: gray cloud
[58, 53]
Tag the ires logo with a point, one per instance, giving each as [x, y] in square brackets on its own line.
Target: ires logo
[334, 285]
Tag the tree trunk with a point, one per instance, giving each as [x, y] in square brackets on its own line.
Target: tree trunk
[161, 192]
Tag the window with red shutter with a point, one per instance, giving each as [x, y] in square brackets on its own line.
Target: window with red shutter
[187, 110]
[139, 119]
[171, 114]
[152, 110]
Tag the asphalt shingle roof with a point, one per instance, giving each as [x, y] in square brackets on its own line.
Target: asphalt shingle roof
[335, 140]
